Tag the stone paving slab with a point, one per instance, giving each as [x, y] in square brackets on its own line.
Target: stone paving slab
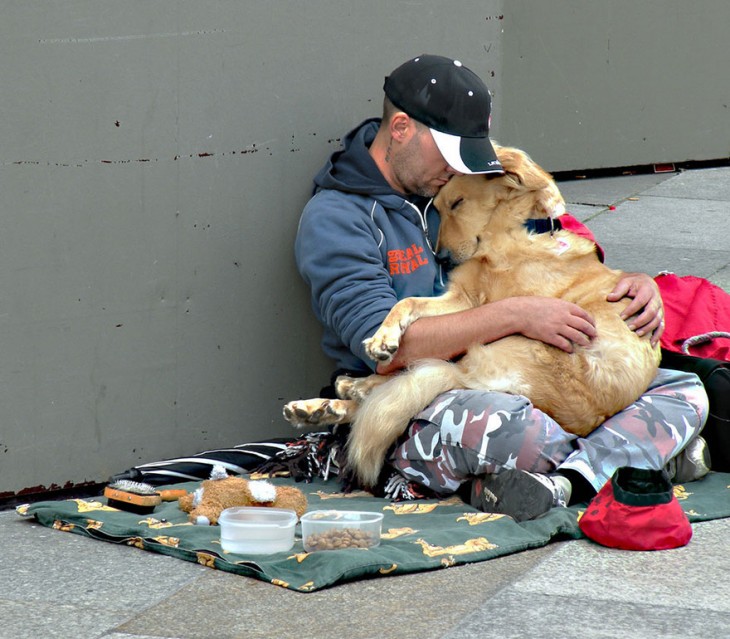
[604, 192]
[704, 184]
[649, 221]
[586, 591]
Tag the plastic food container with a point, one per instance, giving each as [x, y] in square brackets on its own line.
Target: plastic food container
[250, 530]
[340, 529]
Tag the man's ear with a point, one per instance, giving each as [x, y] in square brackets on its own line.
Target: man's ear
[401, 126]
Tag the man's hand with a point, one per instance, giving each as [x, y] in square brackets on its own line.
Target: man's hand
[556, 322]
[645, 311]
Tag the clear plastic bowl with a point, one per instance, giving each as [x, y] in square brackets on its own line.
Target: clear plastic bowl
[340, 529]
[250, 530]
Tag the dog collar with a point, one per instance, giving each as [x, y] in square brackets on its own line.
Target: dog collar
[543, 225]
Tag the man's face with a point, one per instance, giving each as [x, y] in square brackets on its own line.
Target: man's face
[419, 167]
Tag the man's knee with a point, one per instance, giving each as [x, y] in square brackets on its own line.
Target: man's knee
[480, 401]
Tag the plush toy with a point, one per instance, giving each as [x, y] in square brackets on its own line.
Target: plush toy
[222, 491]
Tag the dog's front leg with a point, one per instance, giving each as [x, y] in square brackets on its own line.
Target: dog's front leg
[319, 412]
[383, 345]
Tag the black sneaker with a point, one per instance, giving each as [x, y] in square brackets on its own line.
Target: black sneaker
[517, 493]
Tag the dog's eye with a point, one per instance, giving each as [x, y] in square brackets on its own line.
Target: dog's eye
[456, 203]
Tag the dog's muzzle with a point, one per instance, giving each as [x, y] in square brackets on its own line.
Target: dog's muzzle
[444, 259]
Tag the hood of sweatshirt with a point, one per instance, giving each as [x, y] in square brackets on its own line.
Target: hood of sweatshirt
[353, 170]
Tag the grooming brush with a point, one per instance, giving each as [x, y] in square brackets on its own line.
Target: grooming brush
[137, 497]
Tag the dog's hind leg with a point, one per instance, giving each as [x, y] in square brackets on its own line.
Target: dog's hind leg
[358, 388]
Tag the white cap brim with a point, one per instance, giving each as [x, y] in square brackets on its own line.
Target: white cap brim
[467, 155]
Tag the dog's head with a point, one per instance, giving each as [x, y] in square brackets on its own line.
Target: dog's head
[476, 208]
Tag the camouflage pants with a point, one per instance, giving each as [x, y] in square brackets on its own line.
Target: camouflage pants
[465, 433]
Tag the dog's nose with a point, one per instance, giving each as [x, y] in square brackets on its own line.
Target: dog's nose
[444, 259]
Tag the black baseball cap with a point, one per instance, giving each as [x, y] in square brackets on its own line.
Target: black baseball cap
[454, 103]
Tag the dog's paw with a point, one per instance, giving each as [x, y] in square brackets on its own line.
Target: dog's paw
[356, 388]
[316, 412]
[383, 346]
[345, 387]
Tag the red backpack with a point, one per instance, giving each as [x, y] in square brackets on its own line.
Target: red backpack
[697, 315]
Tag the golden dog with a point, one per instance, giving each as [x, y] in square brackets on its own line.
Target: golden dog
[483, 228]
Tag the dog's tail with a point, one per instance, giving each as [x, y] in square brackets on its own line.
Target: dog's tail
[386, 412]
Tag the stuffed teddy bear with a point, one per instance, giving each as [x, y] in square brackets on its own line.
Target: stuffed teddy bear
[222, 491]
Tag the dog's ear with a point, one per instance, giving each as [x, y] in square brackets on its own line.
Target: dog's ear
[550, 201]
[520, 172]
[531, 176]
[524, 175]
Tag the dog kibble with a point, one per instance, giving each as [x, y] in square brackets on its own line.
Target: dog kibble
[340, 538]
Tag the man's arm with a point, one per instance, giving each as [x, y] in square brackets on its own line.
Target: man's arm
[550, 320]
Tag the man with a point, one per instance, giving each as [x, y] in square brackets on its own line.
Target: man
[366, 240]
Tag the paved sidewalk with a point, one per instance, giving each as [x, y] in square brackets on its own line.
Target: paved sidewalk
[55, 584]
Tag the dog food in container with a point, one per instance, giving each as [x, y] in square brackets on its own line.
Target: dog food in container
[340, 529]
[249, 530]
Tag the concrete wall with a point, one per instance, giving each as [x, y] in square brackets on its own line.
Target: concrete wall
[155, 156]
[154, 159]
[613, 83]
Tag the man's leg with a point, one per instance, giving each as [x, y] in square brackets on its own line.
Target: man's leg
[508, 445]
[465, 433]
[646, 434]
[661, 424]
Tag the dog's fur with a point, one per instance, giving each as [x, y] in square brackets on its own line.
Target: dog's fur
[482, 226]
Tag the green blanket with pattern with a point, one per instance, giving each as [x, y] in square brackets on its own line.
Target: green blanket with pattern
[417, 535]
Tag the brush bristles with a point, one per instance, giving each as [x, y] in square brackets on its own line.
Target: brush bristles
[136, 487]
